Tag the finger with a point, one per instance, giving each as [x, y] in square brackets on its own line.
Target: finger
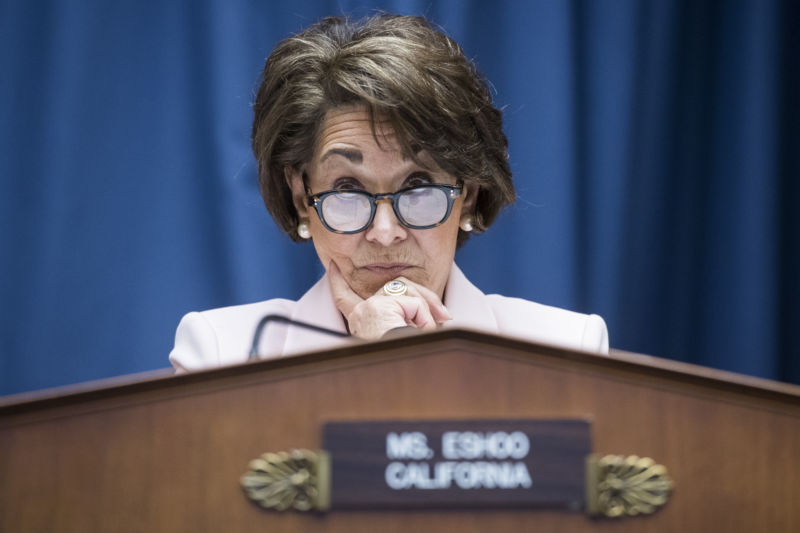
[373, 317]
[344, 297]
[410, 307]
[437, 309]
[413, 304]
[416, 311]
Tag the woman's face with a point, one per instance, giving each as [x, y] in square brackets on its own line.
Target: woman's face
[347, 156]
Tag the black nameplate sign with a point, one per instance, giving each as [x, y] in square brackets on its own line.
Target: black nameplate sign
[458, 463]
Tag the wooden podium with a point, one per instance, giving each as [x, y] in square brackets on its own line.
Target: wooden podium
[166, 453]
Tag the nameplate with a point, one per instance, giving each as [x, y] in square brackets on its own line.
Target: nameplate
[458, 463]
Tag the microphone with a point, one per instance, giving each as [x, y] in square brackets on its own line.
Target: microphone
[286, 320]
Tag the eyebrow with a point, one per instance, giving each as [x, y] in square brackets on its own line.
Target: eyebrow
[354, 156]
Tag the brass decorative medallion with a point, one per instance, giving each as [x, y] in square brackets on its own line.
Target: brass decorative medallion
[299, 479]
[617, 485]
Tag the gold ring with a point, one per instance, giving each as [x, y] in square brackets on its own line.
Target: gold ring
[395, 288]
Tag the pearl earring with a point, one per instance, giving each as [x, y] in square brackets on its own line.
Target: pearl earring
[303, 231]
[466, 223]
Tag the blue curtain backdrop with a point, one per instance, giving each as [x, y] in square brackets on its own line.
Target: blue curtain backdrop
[654, 146]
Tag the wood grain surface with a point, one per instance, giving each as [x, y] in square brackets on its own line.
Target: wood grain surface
[166, 454]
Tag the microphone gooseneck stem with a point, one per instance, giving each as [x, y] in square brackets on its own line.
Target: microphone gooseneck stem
[286, 320]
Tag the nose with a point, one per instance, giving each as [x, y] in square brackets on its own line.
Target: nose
[385, 228]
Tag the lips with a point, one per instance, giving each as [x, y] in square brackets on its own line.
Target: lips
[387, 269]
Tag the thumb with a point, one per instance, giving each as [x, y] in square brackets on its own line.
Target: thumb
[344, 297]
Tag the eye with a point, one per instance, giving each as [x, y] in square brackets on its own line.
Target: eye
[347, 184]
[418, 178]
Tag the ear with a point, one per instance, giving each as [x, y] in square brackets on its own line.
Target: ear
[470, 196]
[294, 179]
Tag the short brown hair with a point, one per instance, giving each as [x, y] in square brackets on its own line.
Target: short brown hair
[402, 70]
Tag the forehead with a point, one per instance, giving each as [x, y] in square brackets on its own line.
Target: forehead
[352, 127]
[347, 137]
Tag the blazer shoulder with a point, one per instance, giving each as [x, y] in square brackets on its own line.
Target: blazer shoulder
[537, 322]
[221, 336]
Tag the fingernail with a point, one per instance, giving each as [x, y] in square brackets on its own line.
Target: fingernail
[447, 311]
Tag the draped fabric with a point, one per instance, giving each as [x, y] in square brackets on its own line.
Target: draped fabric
[654, 146]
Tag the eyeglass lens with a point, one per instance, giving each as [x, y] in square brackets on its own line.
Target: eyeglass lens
[346, 211]
[422, 206]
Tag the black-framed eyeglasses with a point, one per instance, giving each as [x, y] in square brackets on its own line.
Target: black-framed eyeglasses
[421, 207]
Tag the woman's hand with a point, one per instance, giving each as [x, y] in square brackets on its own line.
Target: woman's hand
[372, 318]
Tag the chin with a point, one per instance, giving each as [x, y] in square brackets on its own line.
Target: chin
[366, 288]
[366, 283]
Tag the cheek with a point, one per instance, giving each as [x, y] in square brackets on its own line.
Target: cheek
[332, 246]
[439, 244]
[438, 247]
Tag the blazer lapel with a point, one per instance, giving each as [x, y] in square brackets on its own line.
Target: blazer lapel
[467, 304]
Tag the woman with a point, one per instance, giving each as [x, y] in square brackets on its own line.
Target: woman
[378, 141]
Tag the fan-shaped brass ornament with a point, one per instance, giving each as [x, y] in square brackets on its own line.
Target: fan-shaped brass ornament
[617, 485]
[299, 479]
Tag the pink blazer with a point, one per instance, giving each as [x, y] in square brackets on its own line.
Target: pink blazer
[223, 336]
